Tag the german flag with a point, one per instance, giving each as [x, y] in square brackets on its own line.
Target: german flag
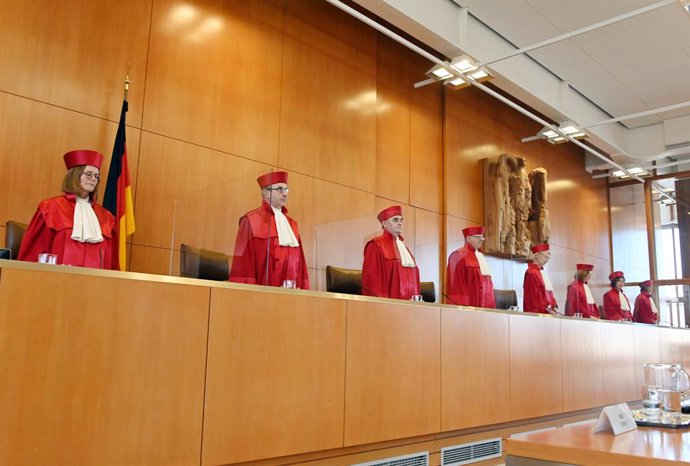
[118, 193]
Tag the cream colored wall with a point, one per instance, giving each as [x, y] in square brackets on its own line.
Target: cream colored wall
[224, 90]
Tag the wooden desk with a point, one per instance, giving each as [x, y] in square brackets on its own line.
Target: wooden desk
[579, 445]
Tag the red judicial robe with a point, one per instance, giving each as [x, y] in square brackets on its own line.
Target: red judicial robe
[50, 231]
[577, 301]
[257, 238]
[466, 285]
[612, 306]
[537, 298]
[383, 274]
[643, 309]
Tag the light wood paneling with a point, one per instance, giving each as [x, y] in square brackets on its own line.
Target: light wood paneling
[536, 376]
[393, 371]
[329, 101]
[100, 370]
[214, 75]
[470, 135]
[685, 341]
[197, 194]
[647, 349]
[582, 364]
[392, 122]
[618, 368]
[275, 377]
[149, 259]
[671, 345]
[33, 138]
[475, 369]
[426, 140]
[75, 54]
[427, 247]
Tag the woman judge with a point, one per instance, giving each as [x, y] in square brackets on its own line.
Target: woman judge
[580, 299]
[72, 226]
[616, 304]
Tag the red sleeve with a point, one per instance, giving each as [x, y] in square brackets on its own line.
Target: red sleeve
[37, 239]
[535, 294]
[612, 308]
[456, 290]
[373, 271]
[243, 263]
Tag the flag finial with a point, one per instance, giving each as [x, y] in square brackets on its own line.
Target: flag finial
[127, 83]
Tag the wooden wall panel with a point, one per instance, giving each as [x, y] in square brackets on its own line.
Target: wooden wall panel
[470, 135]
[33, 138]
[393, 371]
[214, 75]
[150, 259]
[535, 363]
[427, 247]
[647, 349]
[329, 100]
[392, 121]
[100, 370]
[618, 367]
[275, 377]
[475, 369]
[426, 140]
[75, 54]
[582, 364]
[196, 193]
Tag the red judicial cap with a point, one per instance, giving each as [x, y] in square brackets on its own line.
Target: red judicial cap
[391, 211]
[540, 247]
[615, 275]
[646, 283]
[79, 157]
[585, 267]
[272, 178]
[470, 231]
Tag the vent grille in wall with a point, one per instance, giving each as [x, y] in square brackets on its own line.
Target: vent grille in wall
[471, 452]
[415, 459]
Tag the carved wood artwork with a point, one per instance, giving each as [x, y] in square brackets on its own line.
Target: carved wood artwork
[516, 209]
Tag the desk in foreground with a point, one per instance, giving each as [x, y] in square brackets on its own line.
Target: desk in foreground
[579, 445]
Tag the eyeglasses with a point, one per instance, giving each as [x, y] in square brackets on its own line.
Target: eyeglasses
[92, 175]
[280, 189]
[477, 236]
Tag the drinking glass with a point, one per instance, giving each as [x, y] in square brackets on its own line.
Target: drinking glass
[45, 258]
[289, 284]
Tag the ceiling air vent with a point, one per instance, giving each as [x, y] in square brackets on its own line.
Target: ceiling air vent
[471, 452]
[415, 459]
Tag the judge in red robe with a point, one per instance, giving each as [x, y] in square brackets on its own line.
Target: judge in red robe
[468, 274]
[73, 226]
[389, 269]
[580, 299]
[537, 286]
[616, 303]
[645, 311]
[268, 248]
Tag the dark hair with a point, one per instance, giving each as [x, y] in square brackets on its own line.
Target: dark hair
[71, 183]
[616, 280]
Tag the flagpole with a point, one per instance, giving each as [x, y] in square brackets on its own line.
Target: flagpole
[127, 83]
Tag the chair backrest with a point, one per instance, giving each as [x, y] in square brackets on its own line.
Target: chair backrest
[339, 280]
[505, 298]
[14, 234]
[428, 290]
[203, 263]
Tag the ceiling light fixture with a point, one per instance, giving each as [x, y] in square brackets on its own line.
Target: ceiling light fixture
[459, 73]
[686, 5]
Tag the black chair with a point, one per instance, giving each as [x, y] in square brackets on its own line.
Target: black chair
[14, 234]
[428, 291]
[505, 298]
[347, 281]
[203, 263]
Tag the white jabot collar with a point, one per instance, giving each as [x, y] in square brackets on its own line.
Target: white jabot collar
[625, 305]
[405, 256]
[86, 228]
[547, 281]
[588, 294]
[483, 265]
[286, 237]
[654, 308]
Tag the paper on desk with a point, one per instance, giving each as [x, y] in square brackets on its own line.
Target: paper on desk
[618, 418]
